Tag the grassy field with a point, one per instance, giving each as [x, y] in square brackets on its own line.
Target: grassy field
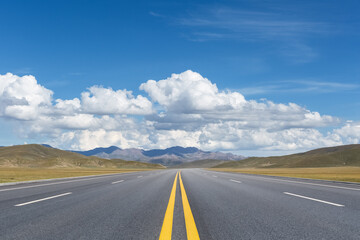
[347, 174]
[26, 174]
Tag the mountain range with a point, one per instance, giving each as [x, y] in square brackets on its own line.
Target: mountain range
[169, 156]
[44, 156]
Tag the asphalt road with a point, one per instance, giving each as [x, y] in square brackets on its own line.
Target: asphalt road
[144, 205]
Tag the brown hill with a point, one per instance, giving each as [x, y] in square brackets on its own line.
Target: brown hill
[39, 156]
[347, 155]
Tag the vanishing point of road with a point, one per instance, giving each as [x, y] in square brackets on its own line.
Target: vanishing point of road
[180, 204]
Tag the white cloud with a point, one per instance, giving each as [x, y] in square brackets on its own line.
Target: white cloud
[99, 100]
[299, 86]
[91, 139]
[225, 136]
[242, 24]
[192, 99]
[22, 98]
[67, 107]
[189, 92]
[192, 111]
[123, 132]
[228, 136]
[350, 132]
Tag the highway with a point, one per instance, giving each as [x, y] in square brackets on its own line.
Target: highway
[180, 204]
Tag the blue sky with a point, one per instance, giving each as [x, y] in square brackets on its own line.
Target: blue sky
[301, 52]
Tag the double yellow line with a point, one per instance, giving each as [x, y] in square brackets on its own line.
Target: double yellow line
[191, 230]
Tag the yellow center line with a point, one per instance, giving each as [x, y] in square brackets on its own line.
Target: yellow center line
[166, 229]
[191, 230]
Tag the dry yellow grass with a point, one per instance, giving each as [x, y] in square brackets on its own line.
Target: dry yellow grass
[26, 174]
[346, 174]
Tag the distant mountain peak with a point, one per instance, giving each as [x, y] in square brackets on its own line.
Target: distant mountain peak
[98, 150]
[177, 150]
[182, 148]
[169, 156]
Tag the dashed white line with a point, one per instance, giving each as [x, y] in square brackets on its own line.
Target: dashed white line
[47, 184]
[117, 181]
[235, 181]
[314, 184]
[314, 199]
[42, 199]
[214, 176]
[139, 176]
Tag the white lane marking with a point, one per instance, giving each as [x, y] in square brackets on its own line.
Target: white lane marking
[214, 176]
[139, 176]
[42, 199]
[235, 181]
[314, 199]
[316, 184]
[117, 181]
[47, 184]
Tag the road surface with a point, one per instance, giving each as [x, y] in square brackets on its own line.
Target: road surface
[201, 205]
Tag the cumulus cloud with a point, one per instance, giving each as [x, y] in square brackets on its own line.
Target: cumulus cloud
[185, 109]
[224, 136]
[99, 100]
[350, 132]
[67, 107]
[189, 92]
[87, 139]
[188, 97]
[118, 131]
[22, 98]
